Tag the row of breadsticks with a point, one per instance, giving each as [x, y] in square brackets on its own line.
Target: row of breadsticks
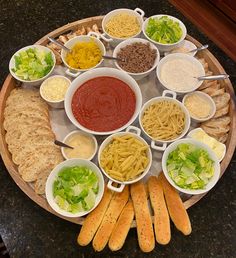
[110, 222]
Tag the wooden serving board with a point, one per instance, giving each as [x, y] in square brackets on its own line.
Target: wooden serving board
[10, 83]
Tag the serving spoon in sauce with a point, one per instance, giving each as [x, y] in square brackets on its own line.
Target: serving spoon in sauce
[62, 144]
[69, 50]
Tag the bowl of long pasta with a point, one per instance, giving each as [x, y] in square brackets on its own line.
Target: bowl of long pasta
[124, 158]
[121, 24]
[164, 119]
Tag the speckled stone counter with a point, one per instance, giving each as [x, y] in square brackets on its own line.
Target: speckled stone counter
[30, 231]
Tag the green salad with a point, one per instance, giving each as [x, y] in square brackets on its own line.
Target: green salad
[33, 64]
[75, 189]
[164, 30]
[190, 167]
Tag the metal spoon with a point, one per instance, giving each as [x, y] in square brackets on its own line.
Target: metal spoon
[198, 49]
[114, 58]
[213, 77]
[59, 44]
[62, 144]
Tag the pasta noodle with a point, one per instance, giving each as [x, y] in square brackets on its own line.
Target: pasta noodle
[122, 25]
[124, 158]
[163, 120]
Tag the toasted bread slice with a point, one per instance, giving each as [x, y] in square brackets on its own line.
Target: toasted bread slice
[221, 112]
[207, 84]
[218, 122]
[222, 100]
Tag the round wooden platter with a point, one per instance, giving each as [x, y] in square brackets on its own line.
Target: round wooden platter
[10, 83]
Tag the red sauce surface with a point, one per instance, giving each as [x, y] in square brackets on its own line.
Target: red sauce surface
[103, 104]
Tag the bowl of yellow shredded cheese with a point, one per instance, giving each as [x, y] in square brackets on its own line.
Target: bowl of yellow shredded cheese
[86, 53]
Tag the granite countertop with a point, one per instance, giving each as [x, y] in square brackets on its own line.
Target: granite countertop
[30, 231]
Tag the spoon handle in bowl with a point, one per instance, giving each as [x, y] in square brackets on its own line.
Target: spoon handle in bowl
[213, 77]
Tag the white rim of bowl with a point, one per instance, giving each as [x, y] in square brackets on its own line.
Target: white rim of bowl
[107, 141]
[137, 93]
[25, 48]
[84, 133]
[80, 37]
[182, 26]
[49, 78]
[49, 188]
[181, 105]
[132, 41]
[209, 99]
[186, 56]
[212, 155]
[117, 11]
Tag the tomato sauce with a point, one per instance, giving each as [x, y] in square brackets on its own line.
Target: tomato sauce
[103, 104]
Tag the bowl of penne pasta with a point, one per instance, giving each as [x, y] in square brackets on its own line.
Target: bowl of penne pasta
[124, 158]
[164, 120]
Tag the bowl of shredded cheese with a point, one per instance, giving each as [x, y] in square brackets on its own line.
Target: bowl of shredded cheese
[53, 90]
[200, 105]
[121, 24]
[86, 53]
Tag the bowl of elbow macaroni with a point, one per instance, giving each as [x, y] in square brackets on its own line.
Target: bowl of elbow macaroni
[124, 158]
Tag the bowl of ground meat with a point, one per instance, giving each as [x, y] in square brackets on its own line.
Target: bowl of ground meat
[137, 57]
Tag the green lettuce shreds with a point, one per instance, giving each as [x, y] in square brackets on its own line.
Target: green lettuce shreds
[33, 64]
[164, 30]
[190, 167]
[75, 189]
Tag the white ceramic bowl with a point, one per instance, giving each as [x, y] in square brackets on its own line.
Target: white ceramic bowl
[208, 99]
[135, 132]
[211, 141]
[212, 155]
[186, 44]
[137, 12]
[56, 103]
[33, 82]
[137, 76]
[180, 56]
[70, 43]
[53, 175]
[161, 145]
[98, 72]
[82, 133]
[165, 47]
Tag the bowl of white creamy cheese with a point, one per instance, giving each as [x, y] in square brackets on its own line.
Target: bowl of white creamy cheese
[179, 72]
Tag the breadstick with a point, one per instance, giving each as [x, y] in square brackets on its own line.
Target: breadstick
[143, 218]
[116, 206]
[94, 219]
[176, 207]
[161, 216]
[122, 227]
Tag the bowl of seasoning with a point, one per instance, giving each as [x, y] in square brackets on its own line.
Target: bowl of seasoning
[138, 57]
[179, 72]
[165, 31]
[32, 64]
[74, 187]
[121, 24]
[84, 145]
[86, 53]
[103, 101]
[53, 90]
[200, 105]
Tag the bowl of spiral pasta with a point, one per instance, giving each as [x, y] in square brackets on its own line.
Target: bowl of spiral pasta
[164, 119]
[124, 158]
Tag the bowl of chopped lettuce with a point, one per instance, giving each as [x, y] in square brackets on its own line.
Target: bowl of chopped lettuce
[190, 166]
[32, 64]
[74, 187]
[165, 31]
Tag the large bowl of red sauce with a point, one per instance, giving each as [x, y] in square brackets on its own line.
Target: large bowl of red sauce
[103, 101]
